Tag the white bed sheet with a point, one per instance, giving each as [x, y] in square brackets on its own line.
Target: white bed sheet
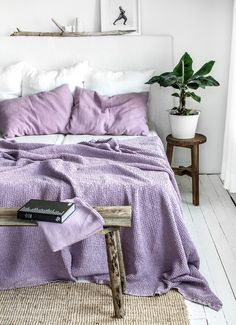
[45, 139]
[70, 139]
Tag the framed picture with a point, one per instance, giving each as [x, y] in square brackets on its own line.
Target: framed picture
[120, 15]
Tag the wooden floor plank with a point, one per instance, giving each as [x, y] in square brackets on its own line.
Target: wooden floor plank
[195, 311]
[220, 229]
[222, 193]
[201, 238]
[225, 198]
[199, 322]
[222, 250]
[233, 195]
[221, 202]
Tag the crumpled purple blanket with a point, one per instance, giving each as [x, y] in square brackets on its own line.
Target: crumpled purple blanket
[158, 252]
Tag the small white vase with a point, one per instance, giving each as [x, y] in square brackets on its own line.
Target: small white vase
[183, 126]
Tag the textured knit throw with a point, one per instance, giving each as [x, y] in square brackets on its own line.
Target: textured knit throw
[158, 252]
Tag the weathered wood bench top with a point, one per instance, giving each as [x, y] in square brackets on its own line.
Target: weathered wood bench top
[114, 216]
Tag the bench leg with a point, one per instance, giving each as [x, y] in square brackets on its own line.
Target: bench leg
[195, 173]
[121, 261]
[114, 271]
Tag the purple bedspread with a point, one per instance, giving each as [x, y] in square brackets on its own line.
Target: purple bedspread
[158, 252]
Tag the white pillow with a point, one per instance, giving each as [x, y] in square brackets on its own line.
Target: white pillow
[111, 83]
[35, 81]
[11, 80]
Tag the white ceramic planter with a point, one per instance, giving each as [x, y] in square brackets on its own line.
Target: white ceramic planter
[183, 127]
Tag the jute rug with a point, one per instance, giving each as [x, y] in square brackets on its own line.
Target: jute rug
[86, 304]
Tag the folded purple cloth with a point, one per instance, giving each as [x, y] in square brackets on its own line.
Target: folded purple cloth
[81, 224]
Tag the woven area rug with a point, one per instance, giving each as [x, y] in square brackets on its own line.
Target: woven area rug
[86, 304]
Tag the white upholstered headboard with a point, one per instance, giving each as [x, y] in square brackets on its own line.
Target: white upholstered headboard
[107, 52]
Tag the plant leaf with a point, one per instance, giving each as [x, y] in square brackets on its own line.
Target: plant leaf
[184, 68]
[203, 82]
[204, 70]
[209, 81]
[195, 97]
[175, 94]
[187, 94]
[176, 86]
[153, 80]
[164, 80]
[193, 85]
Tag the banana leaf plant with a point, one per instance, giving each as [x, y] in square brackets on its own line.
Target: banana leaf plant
[185, 80]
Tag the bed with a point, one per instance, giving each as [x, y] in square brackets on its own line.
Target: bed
[102, 170]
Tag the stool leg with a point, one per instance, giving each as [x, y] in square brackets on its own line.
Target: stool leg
[169, 152]
[114, 271]
[121, 261]
[195, 173]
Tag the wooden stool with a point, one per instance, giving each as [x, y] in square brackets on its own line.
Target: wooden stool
[193, 170]
[114, 217]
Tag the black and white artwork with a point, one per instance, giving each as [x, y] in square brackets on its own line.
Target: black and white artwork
[120, 15]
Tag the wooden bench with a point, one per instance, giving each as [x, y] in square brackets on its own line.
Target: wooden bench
[114, 217]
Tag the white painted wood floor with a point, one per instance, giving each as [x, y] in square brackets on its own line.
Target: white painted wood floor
[212, 226]
[233, 195]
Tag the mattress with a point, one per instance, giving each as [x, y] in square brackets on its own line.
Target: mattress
[71, 139]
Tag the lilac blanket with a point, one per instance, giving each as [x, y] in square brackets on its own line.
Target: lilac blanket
[158, 252]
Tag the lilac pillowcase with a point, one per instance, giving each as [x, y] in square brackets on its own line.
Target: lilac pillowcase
[42, 113]
[117, 115]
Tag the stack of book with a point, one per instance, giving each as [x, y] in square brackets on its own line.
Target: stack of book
[43, 210]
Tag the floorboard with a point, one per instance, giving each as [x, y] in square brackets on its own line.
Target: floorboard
[212, 227]
[200, 236]
[233, 196]
[199, 322]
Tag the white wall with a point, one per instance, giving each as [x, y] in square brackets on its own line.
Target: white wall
[202, 27]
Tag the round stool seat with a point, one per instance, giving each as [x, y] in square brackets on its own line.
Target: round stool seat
[198, 139]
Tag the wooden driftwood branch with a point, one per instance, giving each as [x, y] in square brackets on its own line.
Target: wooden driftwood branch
[71, 34]
[58, 25]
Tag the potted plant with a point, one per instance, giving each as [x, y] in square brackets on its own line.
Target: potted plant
[184, 120]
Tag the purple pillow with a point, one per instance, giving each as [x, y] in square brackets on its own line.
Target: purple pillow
[117, 115]
[42, 113]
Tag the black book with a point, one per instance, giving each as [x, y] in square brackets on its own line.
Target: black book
[42, 210]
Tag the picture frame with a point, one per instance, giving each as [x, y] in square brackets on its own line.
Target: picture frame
[120, 15]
